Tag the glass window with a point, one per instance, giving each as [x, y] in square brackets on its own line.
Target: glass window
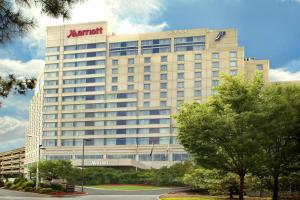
[233, 72]
[163, 94]
[164, 59]
[198, 74]
[146, 77]
[215, 64]
[130, 78]
[259, 67]
[232, 54]
[180, 94]
[130, 61]
[114, 62]
[233, 63]
[198, 56]
[163, 68]
[114, 70]
[52, 58]
[163, 76]
[146, 95]
[180, 75]
[147, 60]
[130, 87]
[163, 85]
[197, 93]
[180, 67]
[147, 86]
[114, 79]
[197, 84]
[215, 74]
[163, 103]
[180, 85]
[215, 82]
[215, 55]
[146, 104]
[147, 69]
[52, 49]
[114, 88]
[198, 65]
[130, 69]
[180, 57]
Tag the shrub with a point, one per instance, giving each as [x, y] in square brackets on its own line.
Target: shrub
[28, 189]
[28, 184]
[1, 183]
[44, 185]
[13, 187]
[45, 190]
[56, 187]
[8, 184]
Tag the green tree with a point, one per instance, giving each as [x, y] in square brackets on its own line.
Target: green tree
[222, 133]
[54, 169]
[281, 131]
[13, 22]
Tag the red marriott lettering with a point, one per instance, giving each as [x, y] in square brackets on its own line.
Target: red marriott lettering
[74, 33]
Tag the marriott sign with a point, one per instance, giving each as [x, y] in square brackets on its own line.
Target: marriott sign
[75, 33]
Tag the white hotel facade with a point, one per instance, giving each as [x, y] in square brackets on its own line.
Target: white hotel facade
[117, 93]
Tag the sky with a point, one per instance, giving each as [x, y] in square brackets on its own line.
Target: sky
[268, 29]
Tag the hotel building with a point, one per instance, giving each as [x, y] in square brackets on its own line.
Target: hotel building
[117, 93]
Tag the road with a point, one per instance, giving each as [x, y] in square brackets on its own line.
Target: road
[93, 194]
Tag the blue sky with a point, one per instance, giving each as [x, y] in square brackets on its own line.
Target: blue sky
[268, 29]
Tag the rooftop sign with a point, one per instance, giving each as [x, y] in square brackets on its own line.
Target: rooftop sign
[75, 33]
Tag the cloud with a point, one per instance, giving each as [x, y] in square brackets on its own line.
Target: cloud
[283, 74]
[27, 69]
[123, 16]
[11, 133]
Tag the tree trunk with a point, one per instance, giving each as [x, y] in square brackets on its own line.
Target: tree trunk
[275, 187]
[241, 192]
[261, 188]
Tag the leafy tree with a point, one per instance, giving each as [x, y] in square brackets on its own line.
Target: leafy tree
[13, 22]
[281, 131]
[54, 169]
[12, 83]
[222, 133]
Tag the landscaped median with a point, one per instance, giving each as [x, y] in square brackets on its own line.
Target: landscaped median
[126, 187]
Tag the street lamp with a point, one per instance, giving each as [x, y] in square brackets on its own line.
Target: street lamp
[82, 163]
[39, 158]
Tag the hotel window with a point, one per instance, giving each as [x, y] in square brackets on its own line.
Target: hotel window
[180, 93]
[146, 95]
[147, 69]
[163, 76]
[114, 79]
[130, 61]
[130, 87]
[198, 74]
[233, 72]
[215, 74]
[114, 70]
[179, 103]
[49, 143]
[146, 104]
[215, 55]
[123, 48]
[233, 63]
[114, 88]
[197, 84]
[180, 58]
[215, 64]
[232, 54]
[147, 60]
[163, 85]
[130, 69]
[146, 77]
[130, 78]
[114, 62]
[163, 94]
[194, 43]
[198, 56]
[259, 67]
[52, 49]
[163, 103]
[164, 68]
[180, 85]
[198, 65]
[215, 82]
[164, 59]
[147, 86]
[52, 58]
[51, 66]
[180, 75]
[180, 67]
[197, 93]
[156, 46]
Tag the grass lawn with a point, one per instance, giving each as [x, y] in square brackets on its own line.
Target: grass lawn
[125, 187]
